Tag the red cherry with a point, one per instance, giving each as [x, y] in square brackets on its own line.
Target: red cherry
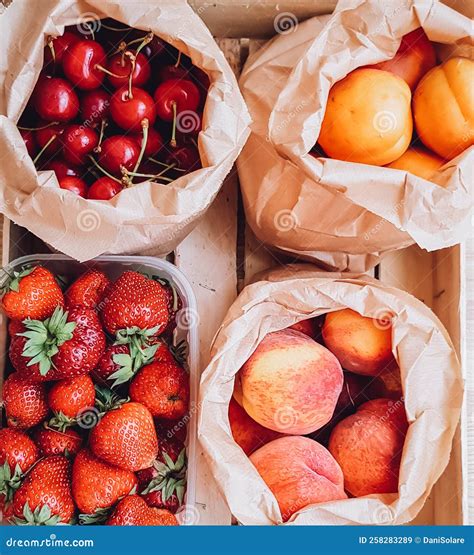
[79, 141]
[74, 184]
[104, 189]
[128, 113]
[44, 136]
[79, 64]
[154, 142]
[59, 44]
[165, 73]
[55, 100]
[181, 92]
[61, 168]
[95, 106]
[122, 65]
[119, 151]
[185, 158]
[30, 142]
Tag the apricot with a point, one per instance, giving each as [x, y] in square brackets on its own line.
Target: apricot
[443, 108]
[299, 472]
[368, 118]
[362, 345]
[290, 384]
[418, 161]
[368, 447]
[247, 433]
[415, 56]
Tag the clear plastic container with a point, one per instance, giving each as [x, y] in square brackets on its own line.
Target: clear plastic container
[186, 329]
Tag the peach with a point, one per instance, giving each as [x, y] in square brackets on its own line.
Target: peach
[368, 118]
[290, 384]
[418, 161]
[299, 472]
[387, 384]
[248, 434]
[362, 345]
[368, 446]
[310, 327]
[415, 56]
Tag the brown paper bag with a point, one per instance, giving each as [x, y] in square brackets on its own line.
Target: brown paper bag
[430, 374]
[343, 214]
[148, 218]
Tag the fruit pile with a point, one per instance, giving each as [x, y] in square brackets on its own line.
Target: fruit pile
[318, 408]
[96, 402]
[112, 109]
[371, 113]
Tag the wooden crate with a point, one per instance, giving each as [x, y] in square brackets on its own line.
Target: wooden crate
[222, 255]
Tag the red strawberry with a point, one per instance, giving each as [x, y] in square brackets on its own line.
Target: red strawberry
[17, 453]
[25, 402]
[175, 304]
[163, 387]
[97, 485]
[133, 511]
[172, 429]
[163, 485]
[135, 301]
[66, 345]
[106, 365]
[45, 497]
[126, 437]
[69, 398]
[87, 290]
[54, 442]
[32, 293]
[14, 327]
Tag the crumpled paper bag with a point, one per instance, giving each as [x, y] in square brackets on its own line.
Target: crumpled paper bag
[149, 218]
[344, 215]
[430, 374]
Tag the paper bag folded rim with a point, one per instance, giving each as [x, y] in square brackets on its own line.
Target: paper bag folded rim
[341, 208]
[148, 218]
[430, 373]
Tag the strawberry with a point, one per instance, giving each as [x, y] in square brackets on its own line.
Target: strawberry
[97, 485]
[54, 442]
[32, 293]
[65, 345]
[45, 497]
[165, 481]
[175, 304]
[133, 511]
[87, 290]
[126, 437]
[25, 402]
[69, 398]
[172, 429]
[163, 387]
[17, 453]
[135, 301]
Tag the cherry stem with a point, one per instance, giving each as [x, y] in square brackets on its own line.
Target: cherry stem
[38, 156]
[51, 123]
[103, 125]
[102, 68]
[150, 175]
[178, 61]
[173, 130]
[105, 172]
[148, 38]
[50, 44]
[132, 59]
[145, 124]
[109, 28]
[169, 166]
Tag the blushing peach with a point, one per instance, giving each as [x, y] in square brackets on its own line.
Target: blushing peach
[368, 446]
[248, 434]
[290, 384]
[362, 345]
[299, 472]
